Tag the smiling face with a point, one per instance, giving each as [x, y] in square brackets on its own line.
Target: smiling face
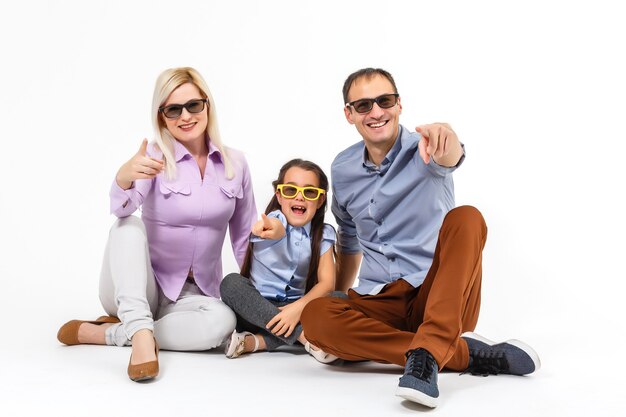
[378, 127]
[187, 128]
[298, 210]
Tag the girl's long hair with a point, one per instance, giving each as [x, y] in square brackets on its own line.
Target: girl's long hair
[317, 223]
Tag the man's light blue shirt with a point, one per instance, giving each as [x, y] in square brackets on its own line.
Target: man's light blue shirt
[279, 267]
[391, 213]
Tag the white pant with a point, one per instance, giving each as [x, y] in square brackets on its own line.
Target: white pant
[128, 290]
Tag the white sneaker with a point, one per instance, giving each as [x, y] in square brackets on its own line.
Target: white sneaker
[235, 344]
[319, 354]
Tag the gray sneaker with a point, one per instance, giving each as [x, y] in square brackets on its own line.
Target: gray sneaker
[512, 357]
[419, 382]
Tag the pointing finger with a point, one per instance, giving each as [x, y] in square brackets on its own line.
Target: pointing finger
[421, 146]
[266, 222]
[143, 148]
[426, 149]
[433, 142]
[143, 151]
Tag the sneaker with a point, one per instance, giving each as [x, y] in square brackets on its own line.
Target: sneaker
[419, 382]
[319, 354]
[511, 357]
[235, 344]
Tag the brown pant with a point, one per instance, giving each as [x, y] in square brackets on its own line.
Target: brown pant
[383, 327]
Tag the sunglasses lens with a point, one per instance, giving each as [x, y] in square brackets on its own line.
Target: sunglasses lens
[387, 101]
[310, 193]
[195, 106]
[384, 102]
[289, 191]
[363, 106]
[173, 111]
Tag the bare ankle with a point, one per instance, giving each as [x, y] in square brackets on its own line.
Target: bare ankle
[93, 333]
[142, 334]
[143, 345]
[143, 340]
[254, 343]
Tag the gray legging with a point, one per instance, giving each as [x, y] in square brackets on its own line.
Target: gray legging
[253, 310]
[128, 290]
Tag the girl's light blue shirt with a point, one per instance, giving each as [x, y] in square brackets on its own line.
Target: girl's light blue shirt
[279, 267]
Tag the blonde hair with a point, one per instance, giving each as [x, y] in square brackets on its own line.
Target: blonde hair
[166, 83]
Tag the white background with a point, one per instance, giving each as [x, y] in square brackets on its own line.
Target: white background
[534, 89]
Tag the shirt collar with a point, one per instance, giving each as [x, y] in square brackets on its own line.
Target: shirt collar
[180, 151]
[389, 158]
[213, 151]
[306, 228]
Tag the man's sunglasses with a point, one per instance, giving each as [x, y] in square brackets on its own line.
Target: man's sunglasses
[291, 191]
[364, 105]
[174, 111]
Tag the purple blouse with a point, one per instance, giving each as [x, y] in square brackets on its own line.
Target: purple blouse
[186, 219]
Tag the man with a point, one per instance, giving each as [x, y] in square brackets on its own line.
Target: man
[420, 258]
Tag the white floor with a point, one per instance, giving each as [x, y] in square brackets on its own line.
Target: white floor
[534, 89]
[38, 376]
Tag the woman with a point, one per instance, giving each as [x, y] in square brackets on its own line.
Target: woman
[161, 274]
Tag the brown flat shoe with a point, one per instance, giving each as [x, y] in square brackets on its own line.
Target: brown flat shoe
[147, 370]
[68, 333]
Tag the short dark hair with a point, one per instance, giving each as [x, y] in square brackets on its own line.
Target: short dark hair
[368, 73]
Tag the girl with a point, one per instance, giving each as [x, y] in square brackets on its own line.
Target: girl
[289, 262]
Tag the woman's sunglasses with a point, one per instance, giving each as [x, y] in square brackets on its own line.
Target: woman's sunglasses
[291, 191]
[174, 111]
[364, 105]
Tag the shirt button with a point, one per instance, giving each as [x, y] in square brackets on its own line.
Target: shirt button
[372, 200]
[297, 243]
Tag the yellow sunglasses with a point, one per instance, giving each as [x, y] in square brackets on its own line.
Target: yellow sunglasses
[291, 191]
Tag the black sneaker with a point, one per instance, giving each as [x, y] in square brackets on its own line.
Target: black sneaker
[511, 357]
[419, 382]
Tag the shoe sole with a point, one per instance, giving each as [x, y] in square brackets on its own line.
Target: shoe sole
[329, 359]
[317, 354]
[417, 397]
[231, 349]
[517, 343]
[144, 378]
